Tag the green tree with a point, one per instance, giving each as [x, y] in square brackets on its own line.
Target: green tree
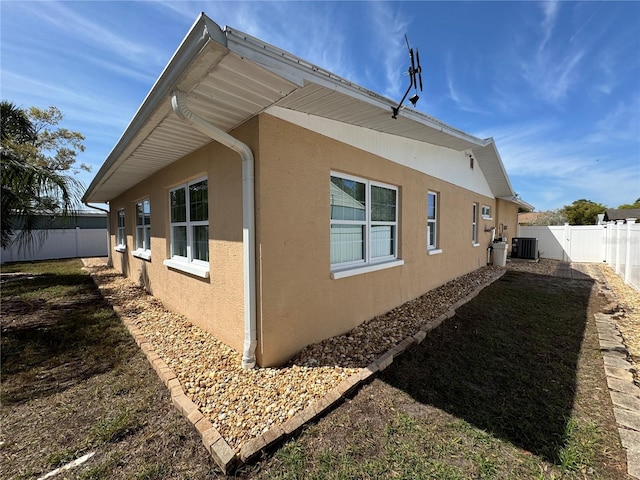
[33, 163]
[49, 146]
[552, 217]
[636, 204]
[582, 212]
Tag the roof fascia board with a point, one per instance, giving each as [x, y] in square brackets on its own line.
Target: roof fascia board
[298, 71]
[202, 32]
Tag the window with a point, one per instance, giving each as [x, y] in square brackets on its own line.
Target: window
[121, 239]
[486, 212]
[143, 229]
[189, 223]
[474, 225]
[364, 222]
[432, 221]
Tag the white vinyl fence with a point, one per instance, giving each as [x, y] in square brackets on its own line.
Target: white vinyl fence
[616, 243]
[62, 243]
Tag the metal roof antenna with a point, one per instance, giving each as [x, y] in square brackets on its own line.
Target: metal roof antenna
[415, 79]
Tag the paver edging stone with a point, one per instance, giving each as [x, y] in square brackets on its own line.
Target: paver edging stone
[419, 336]
[293, 424]
[221, 452]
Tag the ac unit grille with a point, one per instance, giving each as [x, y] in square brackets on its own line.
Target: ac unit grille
[524, 248]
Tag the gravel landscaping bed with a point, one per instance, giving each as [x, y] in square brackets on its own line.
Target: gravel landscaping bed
[242, 404]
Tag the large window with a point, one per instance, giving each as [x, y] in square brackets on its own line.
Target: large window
[432, 221]
[474, 224]
[189, 223]
[121, 239]
[364, 221]
[143, 229]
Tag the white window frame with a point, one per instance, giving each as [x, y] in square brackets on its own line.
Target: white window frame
[187, 264]
[121, 231]
[143, 250]
[486, 212]
[368, 263]
[474, 225]
[432, 249]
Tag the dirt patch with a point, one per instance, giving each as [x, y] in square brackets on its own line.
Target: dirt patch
[74, 382]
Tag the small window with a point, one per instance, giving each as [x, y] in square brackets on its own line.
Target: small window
[432, 221]
[474, 224]
[363, 223]
[189, 225]
[143, 229]
[486, 212]
[121, 239]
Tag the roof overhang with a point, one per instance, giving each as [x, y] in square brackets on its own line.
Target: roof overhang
[521, 203]
[230, 77]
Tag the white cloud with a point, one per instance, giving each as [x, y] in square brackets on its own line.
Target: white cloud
[387, 30]
[553, 68]
[462, 101]
[89, 31]
[620, 124]
[550, 11]
[555, 168]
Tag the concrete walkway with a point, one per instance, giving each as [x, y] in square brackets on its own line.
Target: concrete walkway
[625, 394]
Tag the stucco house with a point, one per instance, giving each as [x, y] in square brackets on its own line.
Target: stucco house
[276, 204]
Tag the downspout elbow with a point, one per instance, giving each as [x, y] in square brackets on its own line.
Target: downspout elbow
[179, 105]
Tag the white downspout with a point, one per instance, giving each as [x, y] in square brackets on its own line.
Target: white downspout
[109, 259]
[179, 104]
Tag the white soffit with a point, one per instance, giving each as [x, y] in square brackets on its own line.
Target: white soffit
[323, 102]
[493, 169]
[227, 95]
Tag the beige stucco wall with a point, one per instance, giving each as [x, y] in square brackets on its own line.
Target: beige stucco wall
[300, 302]
[506, 220]
[217, 303]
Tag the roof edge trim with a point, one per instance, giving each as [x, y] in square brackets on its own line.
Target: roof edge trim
[203, 31]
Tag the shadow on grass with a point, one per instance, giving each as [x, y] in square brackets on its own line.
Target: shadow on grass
[57, 331]
[506, 362]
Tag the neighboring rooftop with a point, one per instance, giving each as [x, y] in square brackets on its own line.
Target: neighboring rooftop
[612, 214]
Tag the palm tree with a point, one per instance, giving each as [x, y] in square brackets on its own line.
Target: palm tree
[29, 191]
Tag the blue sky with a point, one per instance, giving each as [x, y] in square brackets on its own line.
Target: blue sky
[557, 84]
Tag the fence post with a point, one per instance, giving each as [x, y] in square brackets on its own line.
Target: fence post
[611, 238]
[607, 244]
[618, 244]
[627, 263]
[77, 241]
[566, 247]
